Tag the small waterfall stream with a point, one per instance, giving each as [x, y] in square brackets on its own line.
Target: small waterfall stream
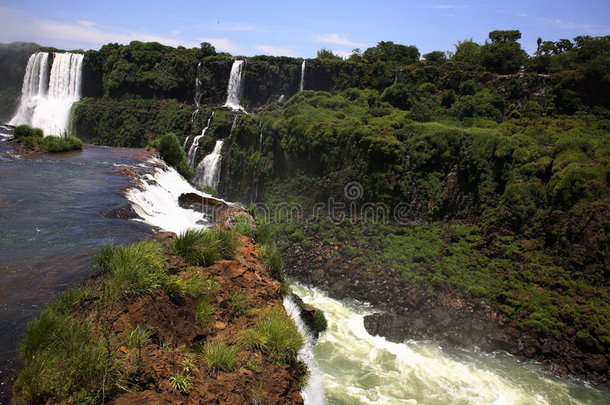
[302, 84]
[198, 94]
[46, 99]
[192, 153]
[234, 89]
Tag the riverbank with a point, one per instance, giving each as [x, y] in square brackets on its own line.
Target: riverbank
[177, 333]
[346, 266]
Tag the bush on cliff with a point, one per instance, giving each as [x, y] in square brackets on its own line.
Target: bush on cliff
[171, 151]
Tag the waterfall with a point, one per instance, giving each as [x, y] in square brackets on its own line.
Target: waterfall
[198, 94]
[192, 154]
[302, 85]
[260, 136]
[46, 99]
[313, 392]
[234, 89]
[208, 170]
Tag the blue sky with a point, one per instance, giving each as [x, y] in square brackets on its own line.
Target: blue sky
[296, 28]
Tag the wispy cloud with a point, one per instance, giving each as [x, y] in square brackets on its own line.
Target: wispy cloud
[79, 34]
[276, 50]
[575, 27]
[334, 38]
[448, 6]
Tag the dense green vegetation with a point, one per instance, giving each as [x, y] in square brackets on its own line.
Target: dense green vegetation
[33, 139]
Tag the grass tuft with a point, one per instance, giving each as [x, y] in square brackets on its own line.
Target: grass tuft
[240, 302]
[275, 334]
[220, 356]
[181, 382]
[203, 310]
[204, 247]
[272, 260]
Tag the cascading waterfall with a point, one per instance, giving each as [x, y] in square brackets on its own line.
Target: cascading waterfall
[198, 94]
[234, 89]
[192, 154]
[208, 170]
[302, 84]
[46, 99]
[260, 136]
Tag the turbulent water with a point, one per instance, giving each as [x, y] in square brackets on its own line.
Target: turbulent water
[46, 98]
[55, 213]
[352, 367]
[234, 89]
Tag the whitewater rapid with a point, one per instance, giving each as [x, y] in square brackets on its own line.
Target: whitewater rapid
[352, 367]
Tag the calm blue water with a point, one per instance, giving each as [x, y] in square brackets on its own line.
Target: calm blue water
[55, 213]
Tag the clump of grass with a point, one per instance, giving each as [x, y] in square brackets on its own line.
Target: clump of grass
[181, 382]
[272, 260]
[243, 224]
[24, 131]
[240, 302]
[203, 310]
[194, 287]
[137, 338]
[132, 269]
[62, 359]
[207, 189]
[204, 247]
[258, 395]
[188, 364]
[275, 334]
[320, 323]
[65, 302]
[254, 364]
[264, 233]
[220, 356]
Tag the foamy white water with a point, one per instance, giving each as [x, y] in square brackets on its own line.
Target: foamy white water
[46, 99]
[156, 202]
[234, 89]
[357, 368]
[208, 170]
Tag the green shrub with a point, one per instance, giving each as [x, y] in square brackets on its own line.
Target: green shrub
[204, 247]
[24, 131]
[264, 233]
[272, 260]
[137, 338]
[171, 151]
[275, 334]
[207, 189]
[61, 144]
[220, 356]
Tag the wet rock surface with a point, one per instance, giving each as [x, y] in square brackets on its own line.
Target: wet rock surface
[408, 313]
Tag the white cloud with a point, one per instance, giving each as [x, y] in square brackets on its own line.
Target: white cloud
[232, 26]
[80, 34]
[334, 38]
[447, 6]
[276, 50]
[223, 44]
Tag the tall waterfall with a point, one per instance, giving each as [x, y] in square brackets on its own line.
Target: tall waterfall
[234, 89]
[208, 170]
[46, 99]
[302, 85]
[198, 93]
[192, 154]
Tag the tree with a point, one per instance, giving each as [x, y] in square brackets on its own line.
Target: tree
[327, 54]
[500, 36]
[206, 49]
[467, 51]
[436, 57]
[388, 51]
[503, 55]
